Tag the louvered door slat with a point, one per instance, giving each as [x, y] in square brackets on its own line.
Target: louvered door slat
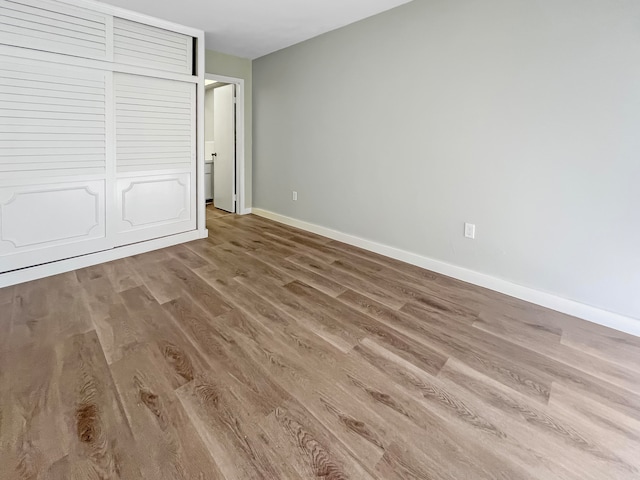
[18, 131]
[55, 27]
[157, 91]
[143, 45]
[146, 138]
[42, 19]
[50, 93]
[49, 86]
[57, 127]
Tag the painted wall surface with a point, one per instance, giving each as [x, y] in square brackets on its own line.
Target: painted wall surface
[230, 66]
[519, 116]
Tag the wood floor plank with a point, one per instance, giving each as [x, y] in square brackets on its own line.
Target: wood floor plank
[297, 329]
[288, 230]
[332, 407]
[90, 273]
[365, 326]
[214, 213]
[241, 257]
[281, 244]
[117, 331]
[6, 295]
[547, 369]
[420, 275]
[217, 259]
[550, 346]
[6, 313]
[345, 337]
[320, 282]
[589, 456]
[266, 352]
[225, 356]
[172, 346]
[188, 258]
[121, 275]
[230, 432]
[348, 280]
[193, 287]
[614, 431]
[173, 448]
[309, 447]
[604, 343]
[367, 430]
[155, 277]
[408, 292]
[91, 425]
[465, 417]
[440, 334]
[49, 310]
[31, 412]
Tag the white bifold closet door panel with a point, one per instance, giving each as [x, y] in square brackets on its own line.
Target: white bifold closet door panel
[155, 157]
[53, 165]
[152, 47]
[55, 27]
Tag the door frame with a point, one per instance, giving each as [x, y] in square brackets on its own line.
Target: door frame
[241, 208]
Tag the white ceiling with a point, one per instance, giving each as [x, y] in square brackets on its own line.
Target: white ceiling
[253, 28]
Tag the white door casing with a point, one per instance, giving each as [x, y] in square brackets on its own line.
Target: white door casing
[225, 145]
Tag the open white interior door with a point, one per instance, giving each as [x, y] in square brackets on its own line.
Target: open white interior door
[224, 133]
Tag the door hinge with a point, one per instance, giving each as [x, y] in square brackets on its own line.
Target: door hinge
[235, 198]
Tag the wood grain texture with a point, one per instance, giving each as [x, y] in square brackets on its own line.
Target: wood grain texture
[265, 352]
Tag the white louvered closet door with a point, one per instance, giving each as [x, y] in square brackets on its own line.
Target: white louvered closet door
[53, 154]
[155, 157]
[91, 158]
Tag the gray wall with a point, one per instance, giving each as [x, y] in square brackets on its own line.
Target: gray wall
[521, 116]
[230, 66]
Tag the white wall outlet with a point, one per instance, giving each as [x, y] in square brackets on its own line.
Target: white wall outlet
[469, 230]
[294, 196]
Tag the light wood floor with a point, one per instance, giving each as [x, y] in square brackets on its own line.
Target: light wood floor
[269, 353]
[213, 212]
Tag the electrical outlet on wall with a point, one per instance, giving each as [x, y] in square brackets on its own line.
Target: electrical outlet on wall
[294, 196]
[470, 230]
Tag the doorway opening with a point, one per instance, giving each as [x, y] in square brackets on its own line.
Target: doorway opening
[224, 145]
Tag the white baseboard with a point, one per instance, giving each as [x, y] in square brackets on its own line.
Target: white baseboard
[62, 266]
[554, 302]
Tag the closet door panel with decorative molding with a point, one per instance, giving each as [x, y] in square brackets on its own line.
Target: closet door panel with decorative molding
[53, 161]
[155, 157]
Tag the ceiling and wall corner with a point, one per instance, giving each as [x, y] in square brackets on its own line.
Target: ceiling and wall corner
[253, 28]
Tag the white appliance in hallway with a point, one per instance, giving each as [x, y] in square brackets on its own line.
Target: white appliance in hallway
[224, 133]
